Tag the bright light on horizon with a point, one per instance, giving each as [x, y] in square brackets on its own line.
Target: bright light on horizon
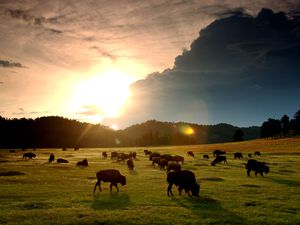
[101, 96]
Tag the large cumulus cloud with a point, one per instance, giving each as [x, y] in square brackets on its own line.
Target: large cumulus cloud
[241, 70]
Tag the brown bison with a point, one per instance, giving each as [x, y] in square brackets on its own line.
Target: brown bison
[238, 155]
[205, 157]
[178, 158]
[51, 157]
[183, 179]
[173, 166]
[62, 161]
[130, 164]
[257, 167]
[218, 152]
[83, 163]
[112, 176]
[219, 159]
[191, 153]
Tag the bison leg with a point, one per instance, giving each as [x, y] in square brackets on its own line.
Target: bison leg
[248, 172]
[169, 190]
[97, 184]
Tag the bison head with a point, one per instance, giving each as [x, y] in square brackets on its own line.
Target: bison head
[196, 189]
[123, 180]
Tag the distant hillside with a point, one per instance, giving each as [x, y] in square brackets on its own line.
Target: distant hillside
[153, 133]
[60, 132]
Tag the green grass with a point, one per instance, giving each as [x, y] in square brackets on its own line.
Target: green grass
[38, 192]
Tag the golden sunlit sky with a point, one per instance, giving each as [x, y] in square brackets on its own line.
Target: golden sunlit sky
[77, 59]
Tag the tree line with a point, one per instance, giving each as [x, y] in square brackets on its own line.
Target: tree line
[59, 132]
[284, 127]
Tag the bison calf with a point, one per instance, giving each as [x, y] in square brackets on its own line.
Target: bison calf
[112, 176]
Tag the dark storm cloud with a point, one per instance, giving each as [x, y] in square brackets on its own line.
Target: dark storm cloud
[10, 64]
[241, 70]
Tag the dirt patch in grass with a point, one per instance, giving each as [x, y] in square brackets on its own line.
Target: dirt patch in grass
[252, 203]
[286, 171]
[34, 205]
[216, 179]
[11, 173]
[250, 185]
[198, 164]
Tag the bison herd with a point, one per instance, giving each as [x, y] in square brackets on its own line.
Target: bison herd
[182, 179]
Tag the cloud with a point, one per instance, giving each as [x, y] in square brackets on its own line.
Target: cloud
[103, 52]
[21, 111]
[10, 64]
[241, 69]
[24, 15]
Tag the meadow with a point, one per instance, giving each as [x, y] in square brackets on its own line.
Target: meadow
[37, 192]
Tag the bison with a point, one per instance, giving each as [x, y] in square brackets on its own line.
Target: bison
[83, 163]
[64, 149]
[218, 152]
[205, 157]
[257, 153]
[156, 160]
[167, 157]
[29, 155]
[238, 155]
[191, 153]
[219, 159]
[76, 148]
[62, 161]
[104, 155]
[178, 158]
[51, 157]
[173, 166]
[249, 155]
[147, 152]
[123, 156]
[183, 179]
[152, 155]
[113, 155]
[257, 167]
[130, 164]
[163, 163]
[132, 155]
[110, 175]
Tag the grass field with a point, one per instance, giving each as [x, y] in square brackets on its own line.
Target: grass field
[38, 192]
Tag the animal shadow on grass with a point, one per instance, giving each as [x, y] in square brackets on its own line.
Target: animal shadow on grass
[110, 201]
[11, 173]
[290, 183]
[206, 208]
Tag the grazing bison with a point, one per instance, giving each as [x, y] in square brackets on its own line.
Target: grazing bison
[218, 152]
[51, 157]
[257, 167]
[249, 155]
[191, 153]
[152, 155]
[29, 155]
[132, 155]
[104, 155]
[156, 160]
[219, 159]
[205, 157]
[62, 161]
[112, 176]
[76, 149]
[123, 156]
[163, 163]
[238, 155]
[130, 164]
[257, 153]
[64, 149]
[113, 155]
[147, 152]
[173, 166]
[167, 157]
[183, 179]
[178, 158]
[83, 163]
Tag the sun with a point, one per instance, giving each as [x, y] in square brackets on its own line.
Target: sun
[102, 95]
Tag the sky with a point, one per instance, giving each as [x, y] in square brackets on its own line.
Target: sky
[124, 62]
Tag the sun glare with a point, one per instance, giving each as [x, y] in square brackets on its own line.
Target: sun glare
[102, 96]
